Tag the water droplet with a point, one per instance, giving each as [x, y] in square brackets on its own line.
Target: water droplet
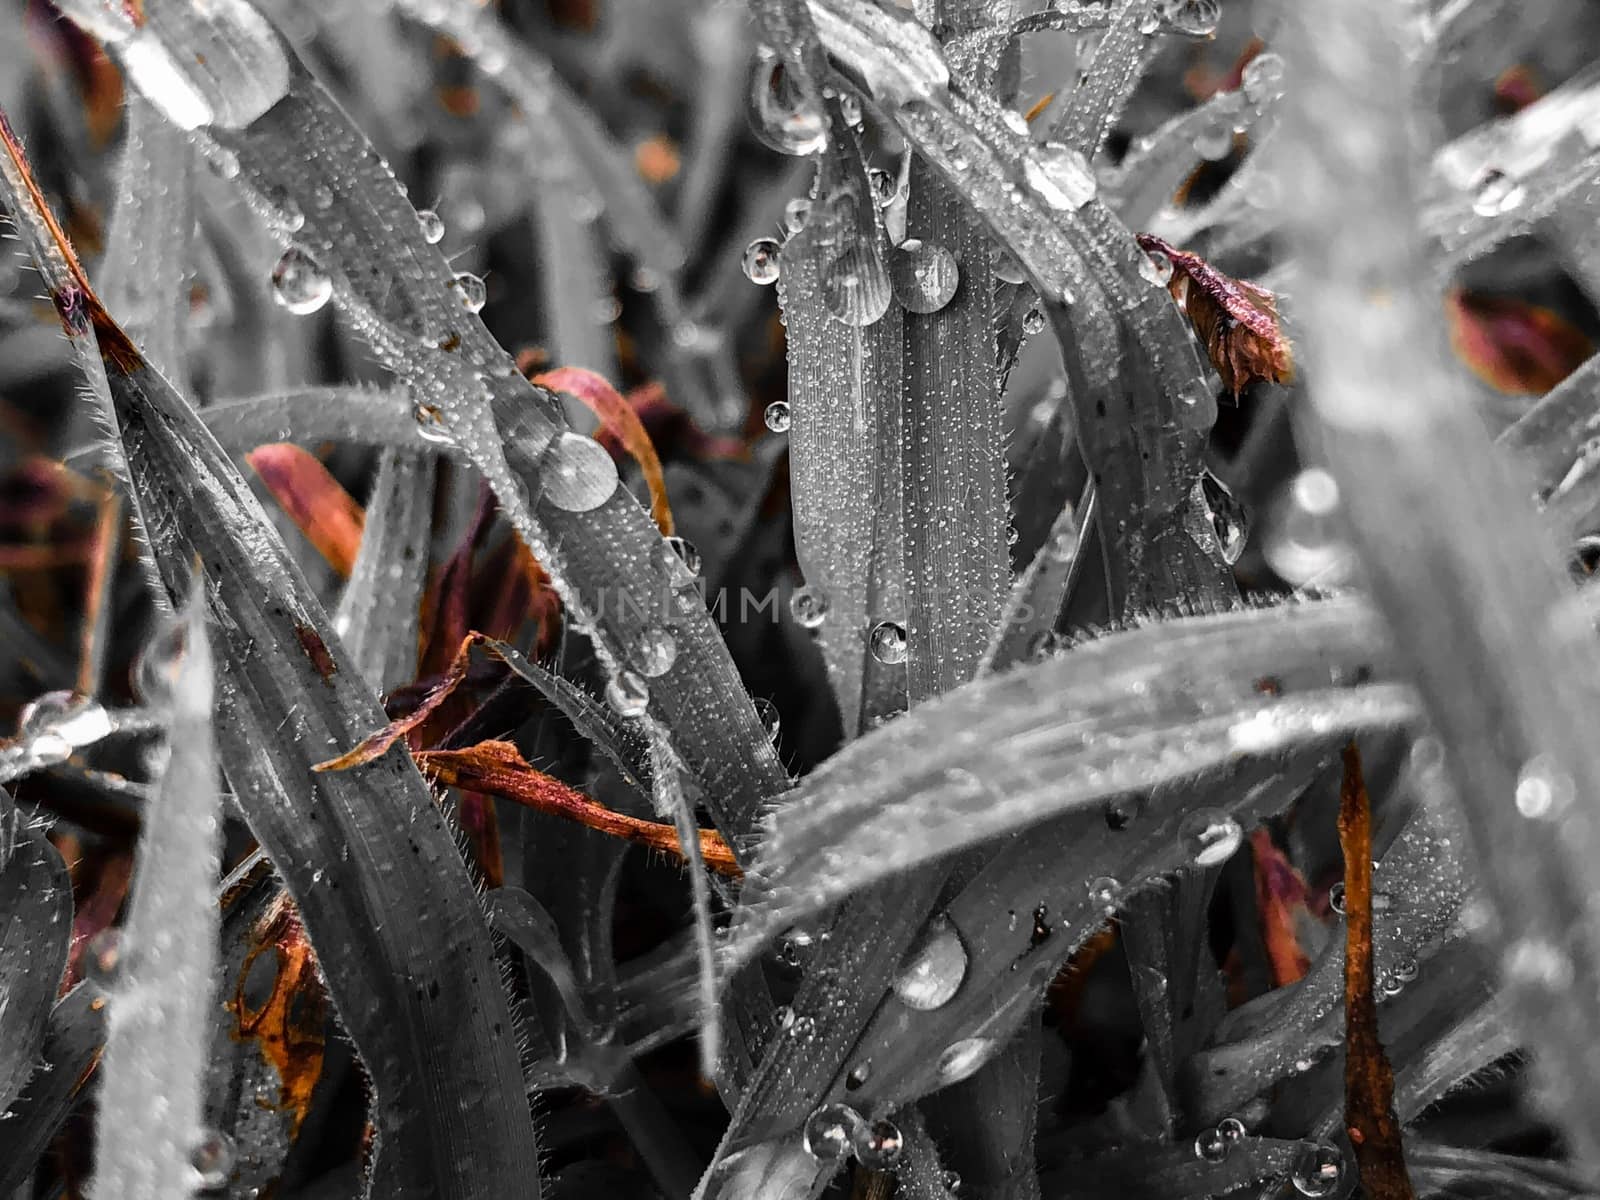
[795, 213]
[1156, 268]
[1497, 193]
[1061, 176]
[1214, 143]
[830, 1132]
[1040, 933]
[855, 285]
[780, 114]
[887, 642]
[1535, 962]
[1317, 1170]
[1105, 893]
[298, 283]
[1217, 514]
[1006, 267]
[1232, 1130]
[1210, 1146]
[78, 721]
[579, 474]
[469, 291]
[770, 720]
[1543, 789]
[1336, 898]
[795, 946]
[777, 416]
[1151, 23]
[1209, 837]
[858, 1076]
[102, 958]
[809, 606]
[1122, 811]
[212, 1158]
[761, 261]
[933, 972]
[1033, 321]
[961, 1059]
[430, 424]
[682, 561]
[878, 1145]
[656, 652]
[883, 185]
[1262, 81]
[1196, 18]
[925, 275]
[628, 694]
[951, 1181]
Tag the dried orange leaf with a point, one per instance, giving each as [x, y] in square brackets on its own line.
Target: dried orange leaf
[315, 501]
[1237, 322]
[496, 768]
[618, 415]
[1513, 346]
[377, 744]
[1368, 1079]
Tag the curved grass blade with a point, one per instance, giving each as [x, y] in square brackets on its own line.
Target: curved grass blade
[70, 1053]
[363, 416]
[1119, 60]
[35, 925]
[158, 1034]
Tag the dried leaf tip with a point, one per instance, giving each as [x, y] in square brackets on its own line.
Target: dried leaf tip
[1237, 322]
[74, 298]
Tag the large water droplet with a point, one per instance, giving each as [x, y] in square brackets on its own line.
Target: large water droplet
[961, 1059]
[1221, 516]
[933, 972]
[1543, 789]
[855, 285]
[760, 261]
[298, 283]
[887, 641]
[212, 1158]
[656, 652]
[469, 290]
[1209, 837]
[878, 1145]
[79, 721]
[1006, 267]
[1061, 176]
[579, 474]
[432, 226]
[1336, 898]
[1317, 1170]
[770, 720]
[1497, 193]
[795, 213]
[924, 274]
[1210, 1146]
[780, 115]
[1105, 893]
[1232, 1130]
[830, 1132]
[628, 694]
[1196, 18]
[809, 606]
[777, 416]
[1262, 80]
[1156, 267]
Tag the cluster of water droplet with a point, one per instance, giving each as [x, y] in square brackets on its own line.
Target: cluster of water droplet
[781, 115]
[836, 1131]
[299, 284]
[1214, 1144]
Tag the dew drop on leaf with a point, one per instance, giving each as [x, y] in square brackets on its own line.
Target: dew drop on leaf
[1196, 18]
[780, 115]
[579, 474]
[924, 274]
[1033, 321]
[809, 606]
[1209, 837]
[1543, 789]
[1156, 268]
[1262, 80]
[77, 720]
[1317, 1170]
[777, 416]
[656, 651]
[760, 261]
[933, 972]
[1497, 193]
[430, 425]
[770, 720]
[1211, 1146]
[878, 1145]
[684, 562]
[855, 285]
[887, 642]
[299, 284]
[961, 1059]
[1231, 1129]
[470, 291]
[628, 694]
[858, 1076]
[1061, 176]
[795, 213]
[1105, 893]
[830, 1132]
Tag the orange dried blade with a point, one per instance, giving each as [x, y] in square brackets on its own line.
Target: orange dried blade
[618, 415]
[1369, 1114]
[1039, 105]
[1515, 347]
[1280, 891]
[497, 768]
[315, 501]
[377, 744]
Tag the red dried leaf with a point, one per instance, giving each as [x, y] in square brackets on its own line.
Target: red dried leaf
[1368, 1079]
[497, 768]
[1515, 88]
[1237, 322]
[1281, 895]
[376, 745]
[315, 501]
[446, 609]
[1515, 347]
[617, 415]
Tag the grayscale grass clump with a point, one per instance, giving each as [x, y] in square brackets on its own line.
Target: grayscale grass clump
[948, 599]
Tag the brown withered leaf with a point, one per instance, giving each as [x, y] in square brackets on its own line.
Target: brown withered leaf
[1515, 347]
[1237, 322]
[495, 768]
[1281, 895]
[315, 501]
[617, 415]
[1368, 1079]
